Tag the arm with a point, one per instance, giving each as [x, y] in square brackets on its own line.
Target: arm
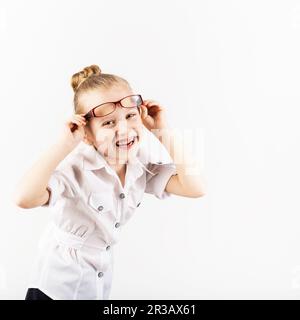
[32, 189]
[183, 184]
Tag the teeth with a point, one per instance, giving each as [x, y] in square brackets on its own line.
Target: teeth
[124, 142]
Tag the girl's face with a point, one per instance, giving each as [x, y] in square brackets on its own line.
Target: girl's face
[110, 134]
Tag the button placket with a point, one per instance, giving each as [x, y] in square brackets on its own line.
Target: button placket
[120, 205]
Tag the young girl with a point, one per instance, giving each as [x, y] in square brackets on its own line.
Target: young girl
[93, 178]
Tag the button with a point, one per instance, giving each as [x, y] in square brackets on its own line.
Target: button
[100, 274]
[117, 225]
[138, 204]
[122, 195]
[108, 247]
[100, 208]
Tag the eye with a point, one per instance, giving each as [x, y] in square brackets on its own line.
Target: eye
[130, 115]
[106, 123]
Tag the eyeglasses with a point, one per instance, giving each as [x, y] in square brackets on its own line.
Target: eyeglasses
[103, 109]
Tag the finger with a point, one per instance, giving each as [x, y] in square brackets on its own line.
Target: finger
[148, 102]
[81, 116]
[153, 103]
[154, 108]
[79, 123]
[144, 112]
[75, 120]
[83, 122]
[79, 119]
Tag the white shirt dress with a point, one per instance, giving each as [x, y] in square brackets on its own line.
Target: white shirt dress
[89, 209]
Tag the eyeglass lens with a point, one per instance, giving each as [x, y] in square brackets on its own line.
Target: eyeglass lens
[128, 102]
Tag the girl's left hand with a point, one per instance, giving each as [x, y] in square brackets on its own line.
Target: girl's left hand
[153, 115]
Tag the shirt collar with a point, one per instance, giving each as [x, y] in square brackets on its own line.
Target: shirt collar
[91, 158]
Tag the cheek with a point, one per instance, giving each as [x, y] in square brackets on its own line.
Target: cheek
[103, 137]
[138, 126]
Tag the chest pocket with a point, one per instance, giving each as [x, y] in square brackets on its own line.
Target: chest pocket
[135, 199]
[100, 202]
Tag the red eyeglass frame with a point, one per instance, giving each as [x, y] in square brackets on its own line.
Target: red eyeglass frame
[91, 113]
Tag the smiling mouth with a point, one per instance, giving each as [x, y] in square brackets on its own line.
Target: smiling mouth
[124, 144]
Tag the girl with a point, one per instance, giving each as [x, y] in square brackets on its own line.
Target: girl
[93, 178]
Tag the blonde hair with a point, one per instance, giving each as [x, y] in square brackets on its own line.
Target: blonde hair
[91, 78]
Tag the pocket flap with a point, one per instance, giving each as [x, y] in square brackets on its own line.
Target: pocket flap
[101, 202]
[135, 200]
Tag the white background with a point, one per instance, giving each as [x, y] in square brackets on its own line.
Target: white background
[229, 67]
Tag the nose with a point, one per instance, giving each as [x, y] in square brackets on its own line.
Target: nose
[121, 129]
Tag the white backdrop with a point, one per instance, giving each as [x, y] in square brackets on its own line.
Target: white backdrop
[230, 68]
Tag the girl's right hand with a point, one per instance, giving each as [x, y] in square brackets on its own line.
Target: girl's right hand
[73, 131]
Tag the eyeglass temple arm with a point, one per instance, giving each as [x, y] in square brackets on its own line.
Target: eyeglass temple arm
[88, 115]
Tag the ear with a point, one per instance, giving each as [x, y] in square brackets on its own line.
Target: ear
[87, 137]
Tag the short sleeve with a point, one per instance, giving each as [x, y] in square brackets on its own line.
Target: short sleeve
[156, 184]
[60, 187]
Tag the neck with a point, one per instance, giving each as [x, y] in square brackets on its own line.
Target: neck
[117, 167]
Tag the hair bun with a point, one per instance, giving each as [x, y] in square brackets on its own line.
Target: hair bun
[81, 76]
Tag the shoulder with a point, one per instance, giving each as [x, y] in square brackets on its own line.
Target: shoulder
[153, 153]
[71, 166]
